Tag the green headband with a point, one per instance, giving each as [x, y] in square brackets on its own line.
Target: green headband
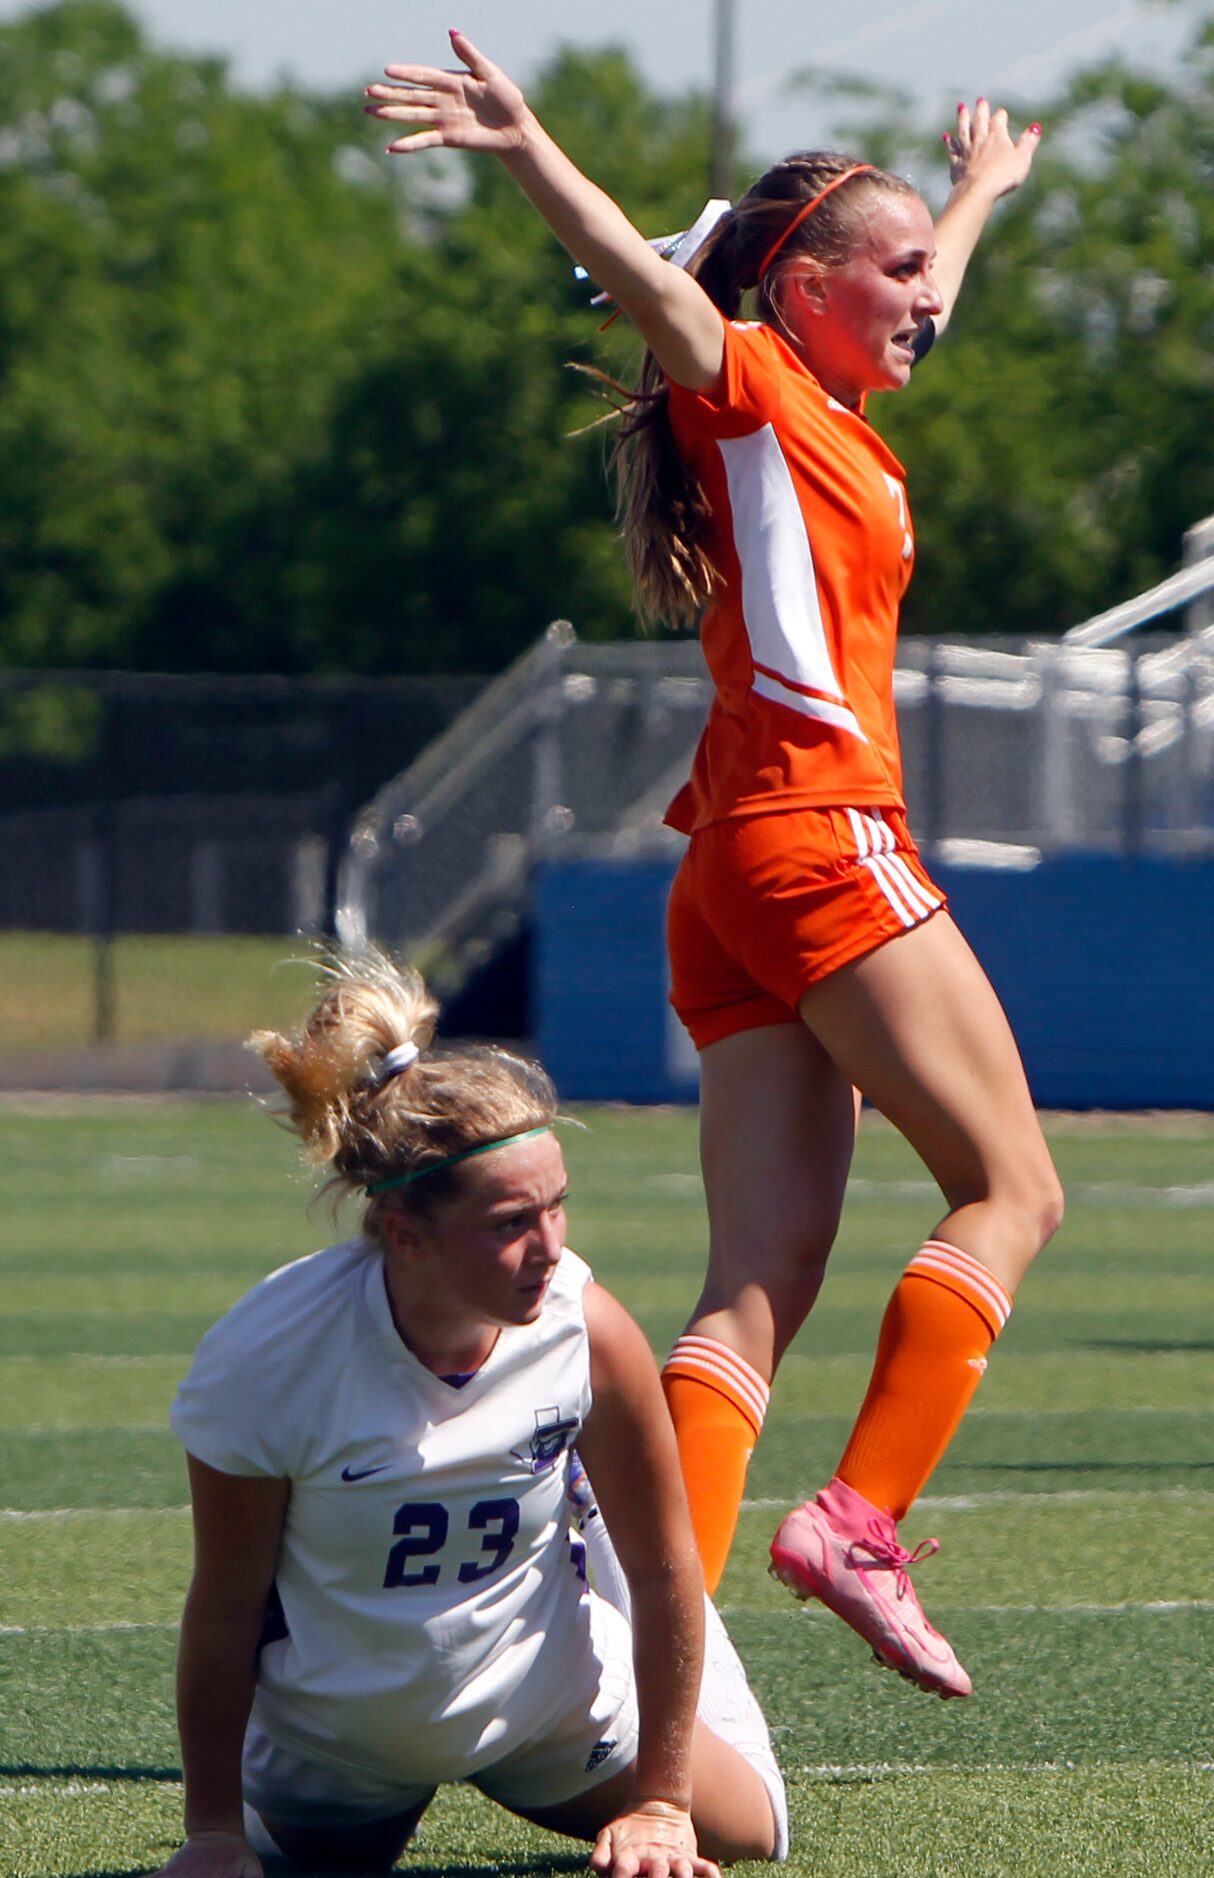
[465, 1154]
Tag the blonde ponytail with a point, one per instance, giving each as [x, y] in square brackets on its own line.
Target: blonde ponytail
[369, 1122]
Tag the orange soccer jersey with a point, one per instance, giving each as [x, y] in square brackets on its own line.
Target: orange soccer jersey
[813, 547]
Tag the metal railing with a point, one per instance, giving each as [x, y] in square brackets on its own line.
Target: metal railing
[1009, 750]
[561, 746]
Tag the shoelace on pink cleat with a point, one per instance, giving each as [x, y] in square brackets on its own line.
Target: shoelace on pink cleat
[885, 1554]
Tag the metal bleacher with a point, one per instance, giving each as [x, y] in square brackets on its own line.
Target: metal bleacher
[1012, 749]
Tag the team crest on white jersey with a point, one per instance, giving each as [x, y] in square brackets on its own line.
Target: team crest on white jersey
[553, 1432]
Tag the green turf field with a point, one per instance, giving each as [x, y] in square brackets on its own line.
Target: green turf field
[1075, 1511]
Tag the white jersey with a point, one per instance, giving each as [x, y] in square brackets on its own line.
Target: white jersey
[425, 1557]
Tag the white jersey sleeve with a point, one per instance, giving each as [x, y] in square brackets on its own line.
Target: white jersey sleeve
[237, 1409]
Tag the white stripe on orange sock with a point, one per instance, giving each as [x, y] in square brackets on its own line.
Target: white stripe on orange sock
[965, 1274]
[716, 1363]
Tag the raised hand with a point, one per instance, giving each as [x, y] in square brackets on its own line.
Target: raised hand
[478, 108]
[982, 152]
[655, 1840]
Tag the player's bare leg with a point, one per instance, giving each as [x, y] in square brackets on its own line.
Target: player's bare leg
[777, 1128]
[919, 1027]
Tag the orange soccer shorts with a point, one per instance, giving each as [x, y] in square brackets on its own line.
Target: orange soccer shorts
[763, 906]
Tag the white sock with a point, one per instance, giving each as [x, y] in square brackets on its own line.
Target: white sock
[728, 1706]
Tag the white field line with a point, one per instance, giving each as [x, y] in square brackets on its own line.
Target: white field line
[45, 1790]
[79, 1630]
[88, 1359]
[1156, 1607]
[1162, 1607]
[930, 1503]
[49, 1788]
[1078, 1193]
[17, 1515]
[46, 1429]
[1071, 1496]
[978, 1502]
[875, 1770]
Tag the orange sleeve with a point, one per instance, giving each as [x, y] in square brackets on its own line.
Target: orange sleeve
[748, 393]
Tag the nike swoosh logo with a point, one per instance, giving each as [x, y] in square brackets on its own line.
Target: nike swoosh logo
[362, 1473]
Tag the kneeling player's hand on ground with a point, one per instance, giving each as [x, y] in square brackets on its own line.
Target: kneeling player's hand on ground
[214, 1855]
[656, 1840]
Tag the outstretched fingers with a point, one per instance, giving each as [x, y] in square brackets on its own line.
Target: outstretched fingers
[396, 105]
[474, 108]
[981, 149]
[442, 77]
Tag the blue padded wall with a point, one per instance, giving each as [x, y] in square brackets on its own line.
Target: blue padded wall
[1105, 966]
[603, 1028]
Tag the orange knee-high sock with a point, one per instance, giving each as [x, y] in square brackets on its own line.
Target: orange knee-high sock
[946, 1311]
[717, 1403]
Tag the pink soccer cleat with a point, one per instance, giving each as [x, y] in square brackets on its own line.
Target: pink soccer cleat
[842, 1549]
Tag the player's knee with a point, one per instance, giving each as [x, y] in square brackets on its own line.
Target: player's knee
[1043, 1200]
[793, 1295]
[1035, 1202]
[768, 1293]
[1053, 1207]
[785, 1262]
[753, 1839]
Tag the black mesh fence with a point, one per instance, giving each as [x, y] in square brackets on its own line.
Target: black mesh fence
[139, 804]
[152, 830]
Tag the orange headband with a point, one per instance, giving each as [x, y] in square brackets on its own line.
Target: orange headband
[857, 169]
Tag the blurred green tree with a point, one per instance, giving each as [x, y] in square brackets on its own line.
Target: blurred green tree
[270, 402]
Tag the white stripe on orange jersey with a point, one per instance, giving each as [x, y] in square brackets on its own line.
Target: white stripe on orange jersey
[780, 605]
[779, 692]
[880, 833]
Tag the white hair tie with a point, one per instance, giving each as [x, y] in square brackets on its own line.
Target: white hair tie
[398, 1059]
[692, 239]
[681, 249]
